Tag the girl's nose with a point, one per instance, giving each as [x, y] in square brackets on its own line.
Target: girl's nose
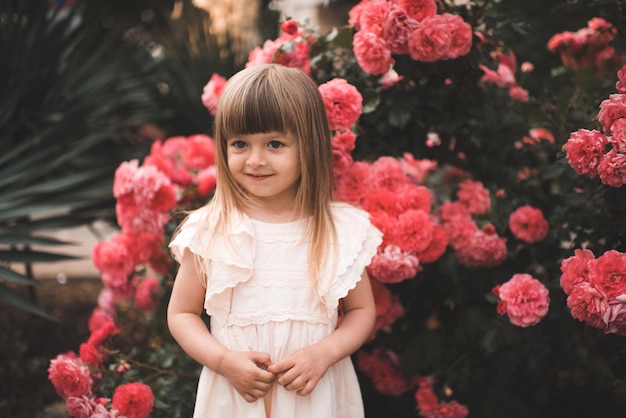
[256, 158]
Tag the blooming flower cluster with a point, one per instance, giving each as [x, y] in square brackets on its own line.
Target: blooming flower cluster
[588, 48]
[382, 367]
[74, 382]
[535, 136]
[428, 404]
[387, 28]
[524, 299]
[178, 171]
[596, 289]
[290, 49]
[212, 92]
[603, 153]
[504, 76]
[473, 246]
[401, 209]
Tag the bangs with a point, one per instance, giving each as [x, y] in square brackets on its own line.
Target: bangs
[264, 107]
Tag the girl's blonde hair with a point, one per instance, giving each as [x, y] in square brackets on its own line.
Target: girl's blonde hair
[274, 98]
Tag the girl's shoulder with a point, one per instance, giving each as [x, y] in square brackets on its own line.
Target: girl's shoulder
[347, 213]
[352, 223]
[194, 230]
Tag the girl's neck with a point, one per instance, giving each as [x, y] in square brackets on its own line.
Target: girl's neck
[272, 215]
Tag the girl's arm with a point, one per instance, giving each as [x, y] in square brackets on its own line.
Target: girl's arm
[189, 330]
[303, 369]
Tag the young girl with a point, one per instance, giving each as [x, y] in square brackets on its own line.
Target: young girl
[270, 257]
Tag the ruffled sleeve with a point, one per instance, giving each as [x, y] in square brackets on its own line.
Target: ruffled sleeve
[190, 237]
[357, 243]
[229, 258]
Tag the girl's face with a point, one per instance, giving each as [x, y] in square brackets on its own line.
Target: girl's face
[266, 166]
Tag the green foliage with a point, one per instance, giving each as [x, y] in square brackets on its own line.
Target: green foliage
[82, 88]
[64, 102]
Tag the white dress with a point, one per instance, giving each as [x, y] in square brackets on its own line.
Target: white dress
[259, 297]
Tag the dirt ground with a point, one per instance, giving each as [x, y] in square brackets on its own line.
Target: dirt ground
[28, 343]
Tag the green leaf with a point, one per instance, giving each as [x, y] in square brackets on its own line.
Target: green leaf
[21, 256]
[10, 296]
[13, 276]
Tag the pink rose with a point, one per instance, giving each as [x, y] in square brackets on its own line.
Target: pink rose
[428, 404]
[524, 299]
[436, 248]
[474, 196]
[343, 103]
[612, 169]
[503, 77]
[413, 196]
[528, 224]
[607, 273]
[416, 171]
[352, 185]
[441, 36]
[418, 9]
[198, 152]
[387, 172]
[413, 230]
[575, 269]
[207, 181]
[588, 304]
[372, 53]
[584, 151]
[98, 316]
[106, 330]
[618, 139]
[69, 376]
[89, 354]
[484, 249]
[114, 256]
[85, 407]
[397, 30]
[383, 370]
[388, 307]
[373, 15]
[120, 286]
[133, 400]
[621, 80]
[518, 93]
[342, 160]
[212, 92]
[457, 223]
[612, 109]
[380, 200]
[460, 36]
[392, 265]
[447, 410]
[615, 318]
[148, 294]
[345, 140]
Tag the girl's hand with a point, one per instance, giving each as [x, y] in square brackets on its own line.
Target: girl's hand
[302, 370]
[247, 372]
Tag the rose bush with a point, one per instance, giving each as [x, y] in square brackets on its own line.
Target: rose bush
[480, 196]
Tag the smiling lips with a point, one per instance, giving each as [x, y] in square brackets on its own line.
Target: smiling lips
[258, 176]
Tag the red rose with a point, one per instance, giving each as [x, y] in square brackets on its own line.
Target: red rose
[133, 400]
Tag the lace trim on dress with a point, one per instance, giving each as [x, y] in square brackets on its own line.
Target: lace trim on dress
[358, 241]
[243, 319]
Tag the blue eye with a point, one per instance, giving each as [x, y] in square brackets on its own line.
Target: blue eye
[275, 144]
[238, 144]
